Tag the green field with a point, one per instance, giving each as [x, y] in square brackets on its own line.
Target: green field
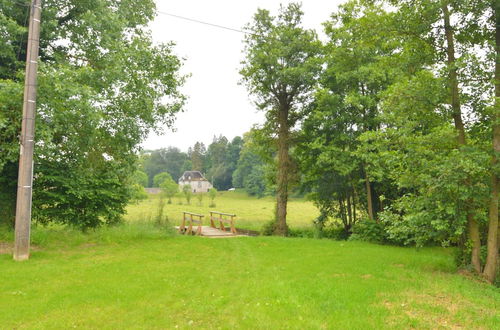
[252, 213]
[139, 276]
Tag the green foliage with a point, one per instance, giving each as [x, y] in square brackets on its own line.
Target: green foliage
[102, 86]
[369, 231]
[169, 189]
[140, 178]
[83, 197]
[212, 193]
[160, 219]
[170, 160]
[186, 191]
[197, 154]
[221, 159]
[250, 169]
[160, 178]
[137, 192]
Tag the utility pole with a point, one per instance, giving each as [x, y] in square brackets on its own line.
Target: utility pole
[25, 177]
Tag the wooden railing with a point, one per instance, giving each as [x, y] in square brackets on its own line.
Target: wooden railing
[222, 218]
[189, 219]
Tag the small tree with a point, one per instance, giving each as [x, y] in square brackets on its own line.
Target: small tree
[169, 189]
[160, 178]
[212, 193]
[186, 190]
[137, 192]
[199, 197]
[141, 178]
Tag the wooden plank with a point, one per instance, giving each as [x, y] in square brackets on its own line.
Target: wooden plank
[221, 213]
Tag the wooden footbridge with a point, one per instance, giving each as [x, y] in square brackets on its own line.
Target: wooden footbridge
[221, 225]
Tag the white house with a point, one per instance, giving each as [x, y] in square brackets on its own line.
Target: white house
[196, 180]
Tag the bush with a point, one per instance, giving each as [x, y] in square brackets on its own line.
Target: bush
[302, 232]
[268, 228]
[369, 231]
[335, 233]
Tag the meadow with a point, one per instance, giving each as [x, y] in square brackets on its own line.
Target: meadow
[142, 275]
[252, 213]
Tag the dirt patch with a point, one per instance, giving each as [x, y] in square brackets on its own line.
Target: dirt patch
[366, 276]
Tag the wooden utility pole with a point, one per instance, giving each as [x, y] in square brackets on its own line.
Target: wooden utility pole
[25, 177]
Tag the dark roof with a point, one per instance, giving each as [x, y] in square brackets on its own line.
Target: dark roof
[192, 176]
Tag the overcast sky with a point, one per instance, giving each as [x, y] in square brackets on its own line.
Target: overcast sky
[216, 103]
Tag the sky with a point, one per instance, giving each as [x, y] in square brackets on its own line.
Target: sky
[217, 104]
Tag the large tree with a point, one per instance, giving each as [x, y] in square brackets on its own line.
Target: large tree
[347, 104]
[281, 65]
[103, 85]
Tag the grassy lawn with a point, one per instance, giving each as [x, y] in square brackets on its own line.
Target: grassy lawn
[136, 276]
[252, 213]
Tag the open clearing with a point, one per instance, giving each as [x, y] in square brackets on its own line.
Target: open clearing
[252, 213]
[140, 277]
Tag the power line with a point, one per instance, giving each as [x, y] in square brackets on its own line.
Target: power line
[179, 17]
[205, 23]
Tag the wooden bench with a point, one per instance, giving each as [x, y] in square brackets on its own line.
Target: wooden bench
[189, 218]
[223, 218]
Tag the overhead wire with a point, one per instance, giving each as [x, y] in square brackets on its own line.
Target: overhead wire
[205, 23]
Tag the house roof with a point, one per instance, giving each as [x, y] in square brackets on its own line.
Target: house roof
[192, 176]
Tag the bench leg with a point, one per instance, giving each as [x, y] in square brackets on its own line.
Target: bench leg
[233, 229]
[198, 232]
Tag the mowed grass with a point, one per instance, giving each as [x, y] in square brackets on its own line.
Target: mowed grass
[252, 213]
[139, 276]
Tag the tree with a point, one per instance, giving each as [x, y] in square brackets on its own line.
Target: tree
[450, 33]
[169, 188]
[137, 192]
[160, 178]
[170, 160]
[492, 260]
[280, 69]
[250, 169]
[186, 190]
[140, 178]
[216, 163]
[197, 156]
[212, 193]
[103, 85]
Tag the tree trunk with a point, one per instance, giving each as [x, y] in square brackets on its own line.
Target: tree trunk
[490, 268]
[474, 236]
[349, 209]
[281, 227]
[369, 199]
[472, 225]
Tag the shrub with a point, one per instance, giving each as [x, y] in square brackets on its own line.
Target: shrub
[212, 193]
[369, 231]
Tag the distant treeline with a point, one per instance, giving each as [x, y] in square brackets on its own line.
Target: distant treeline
[226, 164]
